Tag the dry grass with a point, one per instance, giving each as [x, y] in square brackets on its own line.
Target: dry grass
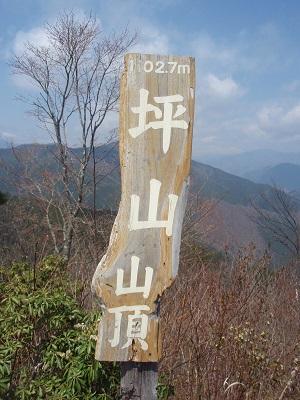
[234, 332]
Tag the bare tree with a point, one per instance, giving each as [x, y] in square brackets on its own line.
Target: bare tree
[276, 213]
[77, 80]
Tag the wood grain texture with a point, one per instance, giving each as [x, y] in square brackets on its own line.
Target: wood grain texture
[139, 381]
[142, 159]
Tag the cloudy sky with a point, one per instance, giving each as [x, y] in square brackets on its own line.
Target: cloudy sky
[247, 55]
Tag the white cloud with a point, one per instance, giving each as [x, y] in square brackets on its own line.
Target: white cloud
[152, 40]
[278, 121]
[7, 135]
[222, 88]
[269, 114]
[292, 116]
[37, 36]
[207, 49]
[6, 138]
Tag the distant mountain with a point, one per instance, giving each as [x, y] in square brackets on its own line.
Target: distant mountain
[230, 219]
[214, 183]
[243, 163]
[211, 182]
[285, 175]
[41, 159]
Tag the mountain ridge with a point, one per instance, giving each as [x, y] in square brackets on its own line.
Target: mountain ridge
[232, 195]
[285, 175]
[212, 182]
[243, 163]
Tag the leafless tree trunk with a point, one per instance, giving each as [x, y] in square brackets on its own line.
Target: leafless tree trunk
[77, 80]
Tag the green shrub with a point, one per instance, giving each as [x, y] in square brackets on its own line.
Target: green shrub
[47, 342]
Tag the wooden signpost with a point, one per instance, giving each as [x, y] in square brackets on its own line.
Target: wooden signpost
[156, 125]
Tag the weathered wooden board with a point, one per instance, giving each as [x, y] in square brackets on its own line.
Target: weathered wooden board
[156, 125]
[139, 380]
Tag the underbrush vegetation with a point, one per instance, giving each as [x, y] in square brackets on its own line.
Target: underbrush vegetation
[230, 324]
[47, 341]
[234, 333]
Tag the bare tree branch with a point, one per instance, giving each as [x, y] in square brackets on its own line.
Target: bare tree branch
[77, 81]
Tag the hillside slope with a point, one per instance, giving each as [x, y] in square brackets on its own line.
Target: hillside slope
[214, 183]
[210, 182]
[230, 220]
[285, 175]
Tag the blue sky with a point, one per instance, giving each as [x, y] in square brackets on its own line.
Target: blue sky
[247, 55]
